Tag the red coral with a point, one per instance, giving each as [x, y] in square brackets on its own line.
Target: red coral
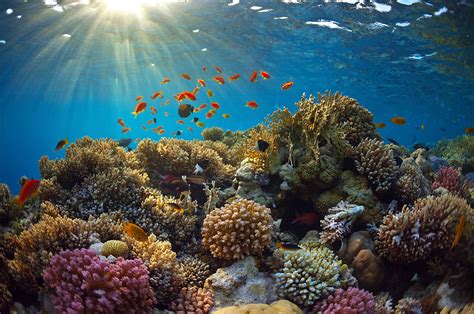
[450, 179]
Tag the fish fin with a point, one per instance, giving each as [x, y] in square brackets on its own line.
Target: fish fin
[135, 114]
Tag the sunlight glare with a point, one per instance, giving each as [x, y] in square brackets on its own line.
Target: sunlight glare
[130, 6]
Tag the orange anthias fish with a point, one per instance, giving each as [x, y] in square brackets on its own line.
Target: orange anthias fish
[215, 105]
[380, 125]
[161, 131]
[264, 75]
[143, 127]
[398, 120]
[156, 95]
[458, 231]
[306, 219]
[218, 69]
[61, 144]
[165, 80]
[287, 85]
[209, 114]
[139, 98]
[252, 104]
[153, 110]
[202, 82]
[202, 106]
[469, 130]
[195, 90]
[28, 190]
[180, 97]
[188, 95]
[253, 76]
[190, 129]
[234, 77]
[120, 121]
[219, 79]
[150, 122]
[180, 122]
[139, 108]
[186, 76]
[125, 130]
[287, 246]
[134, 231]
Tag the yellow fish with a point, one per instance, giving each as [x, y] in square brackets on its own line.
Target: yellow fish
[210, 93]
[134, 231]
[458, 231]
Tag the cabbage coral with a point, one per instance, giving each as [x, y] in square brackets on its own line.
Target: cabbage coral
[349, 301]
[237, 230]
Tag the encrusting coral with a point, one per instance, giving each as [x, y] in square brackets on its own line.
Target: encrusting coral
[79, 281]
[237, 230]
[193, 300]
[338, 221]
[349, 301]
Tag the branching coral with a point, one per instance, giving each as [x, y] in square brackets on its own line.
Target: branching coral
[412, 234]
[338, 222]
[411, 184]
[450, 179]
[349, 301]
[194, 271]
[156, 254]
[166, 284]
[408, 306]
[238, 229]
[375, 160]
[80, 282]
[193, 300]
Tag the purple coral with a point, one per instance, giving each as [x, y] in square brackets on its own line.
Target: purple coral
[450, 179]
[80, 282]
[349, 301]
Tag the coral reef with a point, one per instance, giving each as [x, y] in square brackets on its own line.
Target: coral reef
[369, 270]
[193, 300]
[450, 179]
[194, 271]
[79, 281]
[349, 301]
[115, 248]
[408, 305]
[280, 306]
[237, 230]
[213, 134]
[411, 183]
[458, 152]
[338, 222]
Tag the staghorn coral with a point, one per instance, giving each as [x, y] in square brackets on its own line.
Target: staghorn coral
[375, 160]
[450, 179]
[339, 220]
[308, 275]
[213, 134]
[411, 184]
[238, 229]
[193, 300]
[80, 281]
[408, 306]
[194, 271]
[412, 234]
[349, 301]
[115, 248]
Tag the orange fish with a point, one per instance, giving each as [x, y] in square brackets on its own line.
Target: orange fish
[28, 190]
[253, 76]
[156, 95]
[234, 77]
[287, 85]
[190, 129]
[125, 130]
[219, 79]
[202, 82]
[165, 80]
[225, 115]
[287, 246]
[458, 231]
[189, 95]
[186, 76]
[139, 98]
[180, 122]
[469, 130]
[153, 110]
[398, 120]
[161, 131]
[61, 144]
[306, 219]
[202, 106]
[195, 90]
[200, 124]
[209, 115]
[196, 110]
[264, 75]
[215, 105]
[210, 93]
[140, 107]
[150, 122]
[120, 121]
[180, 97]
[218, 69]
[380, 125]
[134, 231]
[204, 69]
[252, 104]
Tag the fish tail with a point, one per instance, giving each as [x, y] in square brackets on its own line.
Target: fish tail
[135, 114]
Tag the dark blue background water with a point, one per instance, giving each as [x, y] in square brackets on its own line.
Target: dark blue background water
[53, 86]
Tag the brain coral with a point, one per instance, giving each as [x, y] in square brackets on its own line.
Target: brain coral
[237, 230]
[375, 160]
[308, 275]
[115, 248]
[349, 301]
[412, 234]
[193, 300]
[81, 282]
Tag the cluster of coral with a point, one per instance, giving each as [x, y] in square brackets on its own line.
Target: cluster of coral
[307, 212]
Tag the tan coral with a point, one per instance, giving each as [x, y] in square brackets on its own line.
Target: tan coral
[212, 134]
[237, 230]
[156, 254]
[193, 300]
[411, 184]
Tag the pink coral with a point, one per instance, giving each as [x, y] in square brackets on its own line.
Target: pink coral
[450, 179]
[80, 282]
[349, 301]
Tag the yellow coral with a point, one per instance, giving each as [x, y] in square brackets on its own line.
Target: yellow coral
[260, 160]
[115, 247]
[157, 254]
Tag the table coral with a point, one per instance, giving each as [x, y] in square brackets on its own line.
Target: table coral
[193, 300]
[80, 282]
[338, 221]
[238, 229]
[349, 301]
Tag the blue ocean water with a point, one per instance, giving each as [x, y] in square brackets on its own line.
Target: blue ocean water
[72, 68]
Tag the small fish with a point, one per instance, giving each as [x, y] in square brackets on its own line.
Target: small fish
[204, 69]
[232, 198]
[125, 142]
[166, 114]
[287, 246]
[28, 190]
[225, 115]
[201, 166]
[215, 105]
[125, 130]
[186, 76]
[380, 125]
[139, 108]
[421, 145]
[196, 110]
[253, 76]
[422, 126]
[398, 120]
[209, 114]
[262, 146]
[189, 95]
[135, 231]
[287, 85]
[120, 121]
[219, 79]
[306, 219]
[234, 77]
[443, 129]
[139, 98]
[394, 142]
[195, 90]
[165, 80]
[180, 122]
[469, 130]
[144, 127]
[252, 104]
[185, 110]
[190, 129]
[61, 144]
[218, 69]
[264, 75]
[153, 110]
[458, 231]
[137, 140]
[156, 95]
[210, 93]
[195, 119]
[200, 124]
[179, 132]
[161, 131]
[176, 207]
[202, 82]
[154, 120]
[149, 122]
